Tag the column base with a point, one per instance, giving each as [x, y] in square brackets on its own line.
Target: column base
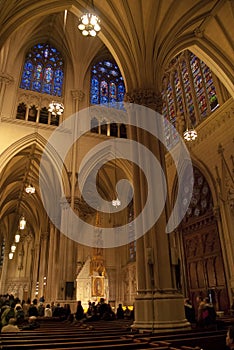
[160, 312]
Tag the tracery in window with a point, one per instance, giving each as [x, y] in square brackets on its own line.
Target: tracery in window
[201, 201]
[188, 92]
[107, 86]
[107, 89]
[43, 70]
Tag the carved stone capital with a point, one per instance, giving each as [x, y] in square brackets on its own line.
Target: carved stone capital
[6, 78]
[146, 97]
[77, 95]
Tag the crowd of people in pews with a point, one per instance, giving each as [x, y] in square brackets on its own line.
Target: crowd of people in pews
[16, 314]
[102, 311]
[205, 315]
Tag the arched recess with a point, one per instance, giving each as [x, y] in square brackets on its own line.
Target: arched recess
[20, 163]
[40, 143]
[203, 265]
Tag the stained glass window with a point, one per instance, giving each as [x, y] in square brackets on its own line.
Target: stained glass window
[43, 70]
[210, 88]
[198, 84]
[107, 86]
[188, 94]
[170, 111]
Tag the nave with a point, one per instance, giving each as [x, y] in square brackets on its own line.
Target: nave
[55, 334]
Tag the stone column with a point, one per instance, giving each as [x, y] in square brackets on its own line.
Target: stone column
[77, 96]
[43, 263]
[5, 268]
[51, 263]
[224, 212]
[63, 251]
[158, 307]
[35, 267]
[5, 79]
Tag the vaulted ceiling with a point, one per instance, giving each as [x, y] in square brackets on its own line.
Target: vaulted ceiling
[142, 35]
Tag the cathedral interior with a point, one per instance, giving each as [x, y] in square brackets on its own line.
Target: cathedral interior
[78, 112]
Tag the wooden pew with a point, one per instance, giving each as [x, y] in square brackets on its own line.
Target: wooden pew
[96, 346]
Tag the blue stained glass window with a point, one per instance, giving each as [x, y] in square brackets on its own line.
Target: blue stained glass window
[121, 91]
[94, 90]
[43, 70]
[27, 74]
[48, 74]
[103, 92]
[107, 86]
[36, 86]
[113, 95]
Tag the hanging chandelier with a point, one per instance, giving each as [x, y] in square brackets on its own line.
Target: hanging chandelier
[11, 255]
[22, 223]
[89, 24]
[13, 248]
[56, 108]
[30, 189]
[190, 134]
[17, 237]
[116, 202]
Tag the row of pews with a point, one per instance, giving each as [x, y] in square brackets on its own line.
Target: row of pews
[57, 335]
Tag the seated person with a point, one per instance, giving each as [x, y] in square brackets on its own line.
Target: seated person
[230, 337]
[32, 324]
[127, 313]
[19, 315]
[48, 311]
[120, 312]
[10, 327]
[189, 311]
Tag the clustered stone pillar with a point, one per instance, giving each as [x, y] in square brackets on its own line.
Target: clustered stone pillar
[5, 267]
[158, 307]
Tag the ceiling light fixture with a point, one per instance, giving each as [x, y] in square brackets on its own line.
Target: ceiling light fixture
[13, 248]
[56, 108]
[30, 189]
[190, 133]
[22, 223]
[17, 237]
[89, 24]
